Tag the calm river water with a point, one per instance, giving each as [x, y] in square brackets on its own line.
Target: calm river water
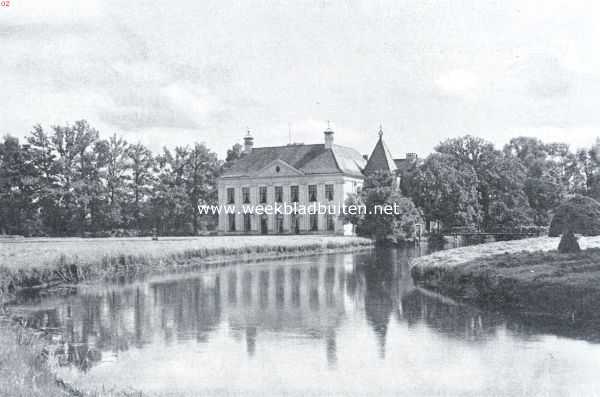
[342, 324]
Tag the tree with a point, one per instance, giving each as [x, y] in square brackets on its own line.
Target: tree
[579, 214]
[45, 163]
[507, 204]
[18, 185]
[201, 167]
[141, 163]
[551, 172]
[114, 155]
[73, 144]
[378, 193]
[445, 191]
[500, 181]
[233, 154]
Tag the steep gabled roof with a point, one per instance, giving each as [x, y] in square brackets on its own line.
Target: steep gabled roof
[309, 159]
[380, 159]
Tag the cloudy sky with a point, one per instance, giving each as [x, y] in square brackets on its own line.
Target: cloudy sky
[175, 72]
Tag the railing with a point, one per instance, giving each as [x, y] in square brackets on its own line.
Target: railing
[527, 230]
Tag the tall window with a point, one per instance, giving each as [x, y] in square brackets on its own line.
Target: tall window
[279, 223]
[262, 192]
[330, 223]
[312, 192]
[294, 194]
[295, 223]
[246, 195]
[230, 195]
[231, 219]
[314, 222]
[247, 223]
[329, 192]
[278, 194]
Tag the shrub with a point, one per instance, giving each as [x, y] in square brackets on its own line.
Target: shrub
[568, 244]
[578, 214]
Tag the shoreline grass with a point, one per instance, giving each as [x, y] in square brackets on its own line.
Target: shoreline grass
[527, 276]
[23, 370]
[38, 262]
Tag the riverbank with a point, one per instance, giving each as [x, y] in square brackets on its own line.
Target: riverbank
[23, 371]
[42, 261]
[528, 276]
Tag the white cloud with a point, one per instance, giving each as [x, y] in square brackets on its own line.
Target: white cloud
[54, 11]
[460, 83]
[207, 70]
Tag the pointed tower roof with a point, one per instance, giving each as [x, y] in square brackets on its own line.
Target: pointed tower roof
[381, 158]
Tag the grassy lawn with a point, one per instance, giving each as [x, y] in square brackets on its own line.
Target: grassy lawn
[525, 275]
[459, 256]
[25, 254]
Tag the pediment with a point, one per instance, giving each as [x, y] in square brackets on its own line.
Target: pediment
[278, 168]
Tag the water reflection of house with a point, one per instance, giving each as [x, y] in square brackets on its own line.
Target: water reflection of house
[298, 300]
[269, 301]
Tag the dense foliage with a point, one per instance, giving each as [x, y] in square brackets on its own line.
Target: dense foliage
[578, 214]
[69, 181]
[379, 191]
[468, 182]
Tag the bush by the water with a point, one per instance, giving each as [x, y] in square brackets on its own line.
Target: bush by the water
[568, 244]
[578, 214]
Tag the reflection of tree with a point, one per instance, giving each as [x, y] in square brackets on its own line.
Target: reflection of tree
[380, 296]
[122, 318]
[447, 317]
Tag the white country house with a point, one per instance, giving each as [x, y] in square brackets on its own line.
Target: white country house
[310, 174]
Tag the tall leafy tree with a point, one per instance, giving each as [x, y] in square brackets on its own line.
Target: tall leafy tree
[200, 171]
[501, 180]
[18, 186]
[73, 145]
[380, 192]
[113, 154]
[445, 191]
[141, 164]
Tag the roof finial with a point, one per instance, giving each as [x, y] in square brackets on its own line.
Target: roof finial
[248, 131]
[328, 125]
[380, 131]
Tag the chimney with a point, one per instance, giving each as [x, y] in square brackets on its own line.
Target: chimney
[328, 138]
[411, 157]
[248, 143]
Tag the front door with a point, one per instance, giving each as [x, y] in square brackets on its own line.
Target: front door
[263, 225]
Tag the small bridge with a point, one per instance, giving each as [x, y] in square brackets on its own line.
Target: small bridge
[521, 231]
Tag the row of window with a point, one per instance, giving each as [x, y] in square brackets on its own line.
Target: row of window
[294, 222]
[294, 194]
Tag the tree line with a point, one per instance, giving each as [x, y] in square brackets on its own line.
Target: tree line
[67, 181]
[469, 182]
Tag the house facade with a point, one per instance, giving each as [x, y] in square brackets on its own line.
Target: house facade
[296, 175]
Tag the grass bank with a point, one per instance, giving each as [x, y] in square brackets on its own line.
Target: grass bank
[37, 262]
[529, 276]
[24, 372]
